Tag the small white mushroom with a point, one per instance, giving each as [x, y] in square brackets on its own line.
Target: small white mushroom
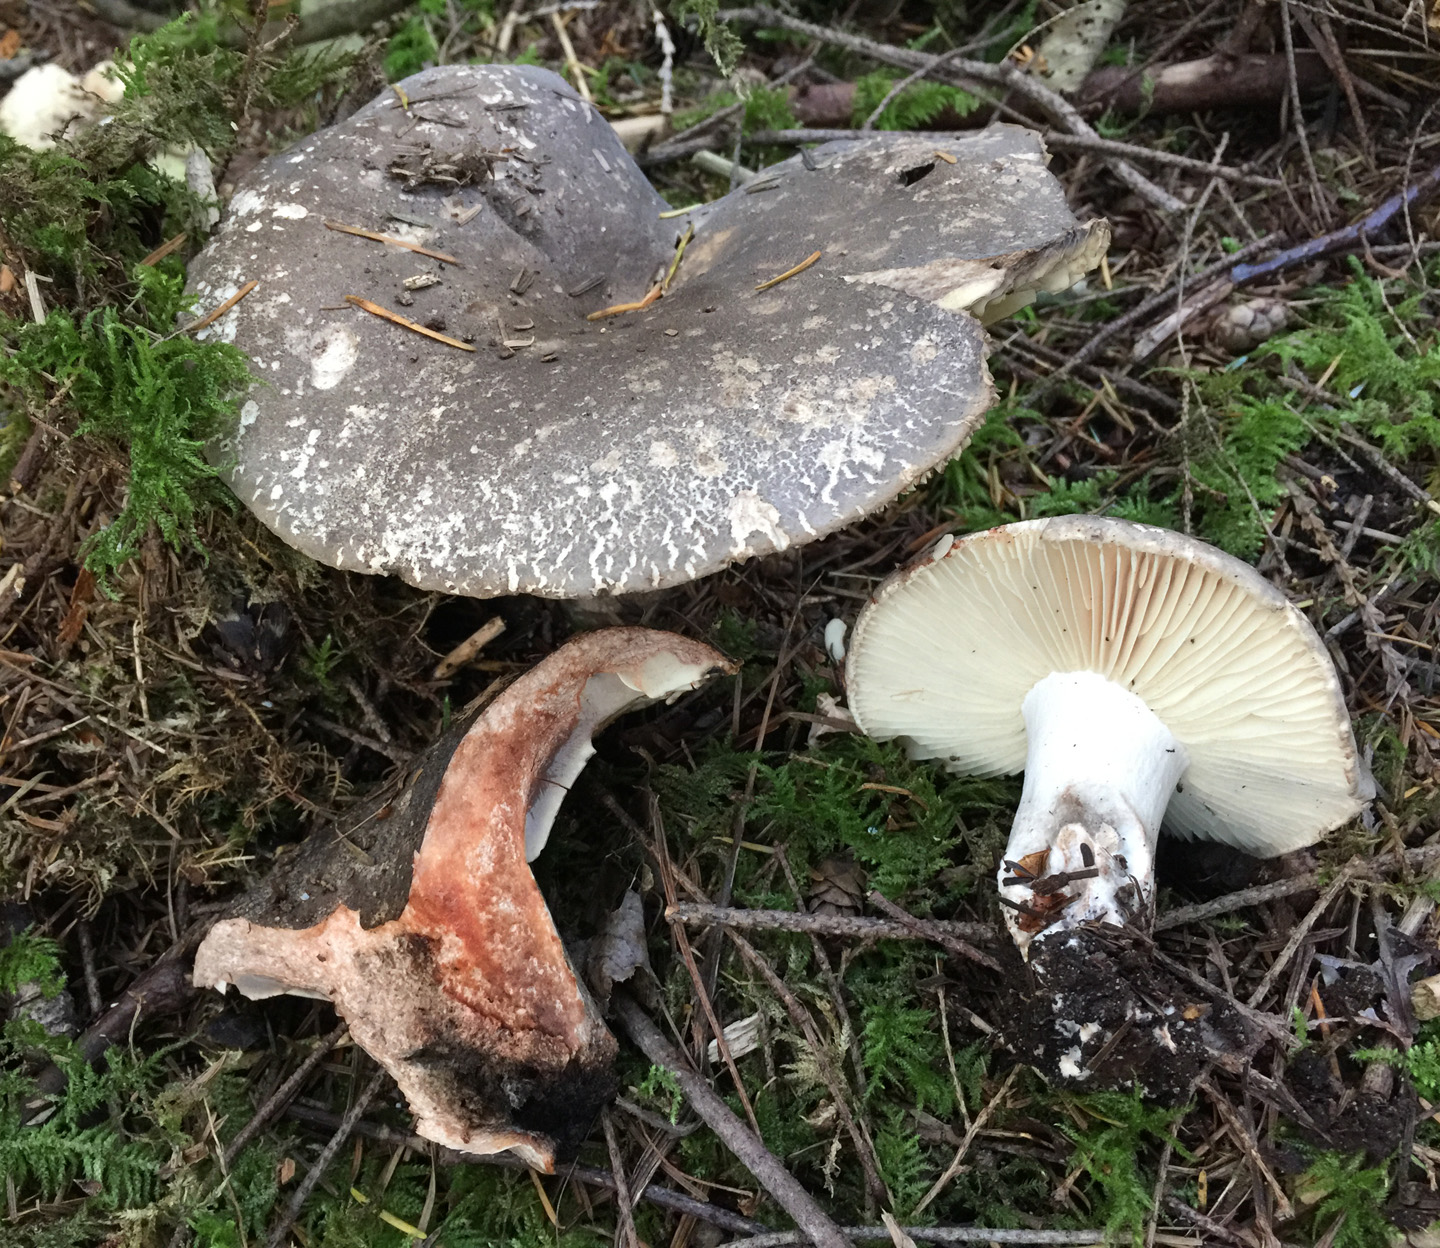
[1135, 675]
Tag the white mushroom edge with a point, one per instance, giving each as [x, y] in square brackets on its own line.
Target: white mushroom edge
[1136, 676]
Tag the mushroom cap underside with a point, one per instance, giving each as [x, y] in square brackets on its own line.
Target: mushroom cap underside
[945, 653]
[569, 457]
[466, 994]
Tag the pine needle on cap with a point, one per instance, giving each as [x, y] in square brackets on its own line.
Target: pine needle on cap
[789, 273]
[405, 322]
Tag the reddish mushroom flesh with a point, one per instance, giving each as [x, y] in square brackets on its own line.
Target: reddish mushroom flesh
[467, 997]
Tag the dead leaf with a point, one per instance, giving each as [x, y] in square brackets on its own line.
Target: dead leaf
[619, 951]
[9, 45]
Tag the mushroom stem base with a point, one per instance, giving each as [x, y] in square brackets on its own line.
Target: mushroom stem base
[1099, 772]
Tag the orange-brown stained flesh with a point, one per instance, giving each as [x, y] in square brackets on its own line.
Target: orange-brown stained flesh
[468, 998]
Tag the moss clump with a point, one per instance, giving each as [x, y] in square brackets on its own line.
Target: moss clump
[161, 396]
[84, 216]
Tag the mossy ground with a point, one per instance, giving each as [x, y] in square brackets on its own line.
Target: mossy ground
[182, 695]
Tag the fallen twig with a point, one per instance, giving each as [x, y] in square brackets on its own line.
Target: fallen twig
[1299, 932]
[1062, 142]
[215, 314]
[789, 273]
[934, 1235]
[1160, 299]
[1385, 864]
[327, 1155]
[1005, 75]
[1338, 240]
[813, 1221]
[615, 309]
[374, 236]
[839, 1091]
[925, 928]
[695, 914]
[592, 1176]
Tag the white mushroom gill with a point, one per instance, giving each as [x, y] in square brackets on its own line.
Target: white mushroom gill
[1100, 767]
[1136, 676]
[605, 697]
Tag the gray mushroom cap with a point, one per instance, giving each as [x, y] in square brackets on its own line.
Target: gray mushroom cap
[566, 457]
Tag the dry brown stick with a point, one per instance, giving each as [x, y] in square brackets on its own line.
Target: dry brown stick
[284, 1094]
[935, 1235]
[1385, 864]
[837, 992]
[1160, 299]
[969, 1138]
[1300, 931]
[591, 1176]
[327, 1155]
[624, 1206]
[405, 322]
[215, 314]
[930, 931]
[661, 850]
[1245, 1138]
[1208, 1225]
[800, 1016]
[748, 1148]
[274, 1104]
[695, 914]
[1004, 75]
[897, 87]
[1053, 138]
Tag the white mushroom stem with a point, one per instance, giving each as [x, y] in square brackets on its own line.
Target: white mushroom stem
[1099, 771]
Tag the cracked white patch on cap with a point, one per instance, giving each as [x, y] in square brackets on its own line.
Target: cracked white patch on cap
[749, 513]
[333, 352]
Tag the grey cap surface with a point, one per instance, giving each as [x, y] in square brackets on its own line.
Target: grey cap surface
[569, 457]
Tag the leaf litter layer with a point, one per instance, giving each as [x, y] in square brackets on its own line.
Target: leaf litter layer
[183, 698]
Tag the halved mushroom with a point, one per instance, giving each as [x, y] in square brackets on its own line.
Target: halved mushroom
[448, 969]
[565, 456]
[1134, 675]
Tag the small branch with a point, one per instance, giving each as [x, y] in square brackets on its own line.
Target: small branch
[327, 1155]
[592, 1176]
[1377, 868]
[1005, 75]
[693, 914]
[1160, 299]
[1061, 142]
[1342, 239]
[909, 80]
[925, 928]
[813, 1221]
[1298, 934]
[935, 1235]
[624, 1217]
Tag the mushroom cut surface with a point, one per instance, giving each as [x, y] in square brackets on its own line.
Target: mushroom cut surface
[947, 653]
[541, 451]
[422, 923]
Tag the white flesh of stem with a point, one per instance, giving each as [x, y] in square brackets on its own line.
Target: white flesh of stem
[1099, 771]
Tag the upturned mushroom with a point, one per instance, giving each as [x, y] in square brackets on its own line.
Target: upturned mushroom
[422, 923]
[1136, 676]
[793, 355]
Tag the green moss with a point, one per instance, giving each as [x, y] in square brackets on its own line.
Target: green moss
[159, 396]
[914, 108]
